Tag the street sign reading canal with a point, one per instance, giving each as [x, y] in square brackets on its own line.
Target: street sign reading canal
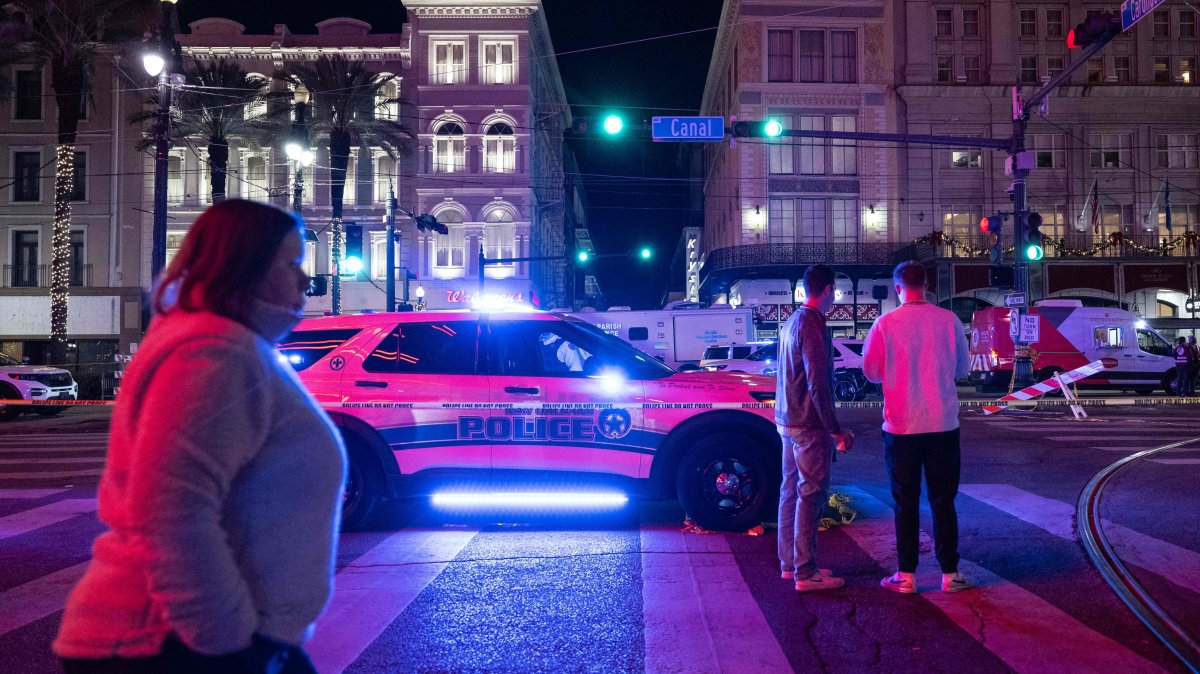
[688, 129]
[1133, 11]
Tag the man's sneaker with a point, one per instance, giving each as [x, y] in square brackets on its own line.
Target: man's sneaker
[899, 582]
[954, 582]
[788, 575]
[821, 580]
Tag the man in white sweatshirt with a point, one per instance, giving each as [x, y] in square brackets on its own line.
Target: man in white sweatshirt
[916, 352]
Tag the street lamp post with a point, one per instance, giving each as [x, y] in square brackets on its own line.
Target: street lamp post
[390, 237]
[162, 65]
[420, 298]
[298, 149]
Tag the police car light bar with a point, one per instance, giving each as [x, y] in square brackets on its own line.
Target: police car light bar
[485, 500]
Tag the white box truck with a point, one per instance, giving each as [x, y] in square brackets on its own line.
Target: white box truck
[678, 334]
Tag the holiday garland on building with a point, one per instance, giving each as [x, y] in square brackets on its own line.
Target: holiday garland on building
[1189, 240]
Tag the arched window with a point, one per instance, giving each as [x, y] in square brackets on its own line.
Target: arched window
[450, 149]
[498, 214]
[387, 105]
[451, 247]
[499, 149]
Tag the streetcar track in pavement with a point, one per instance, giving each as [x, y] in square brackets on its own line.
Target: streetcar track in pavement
[1117, 575]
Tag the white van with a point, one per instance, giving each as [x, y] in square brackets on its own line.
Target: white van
[679, 334]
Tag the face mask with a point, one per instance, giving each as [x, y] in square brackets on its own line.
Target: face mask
[272, 321]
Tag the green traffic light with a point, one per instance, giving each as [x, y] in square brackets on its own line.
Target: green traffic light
[645, 253]
[582, 256]
[1034, 252]
[352, 265]
[613, 125]
[773, 128]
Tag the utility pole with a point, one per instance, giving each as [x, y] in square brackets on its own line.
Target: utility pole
[163, 66]
[391, 239]
[298, 149]
[1022, 360]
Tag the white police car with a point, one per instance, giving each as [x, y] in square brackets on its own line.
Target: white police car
[431, 401]
[32, 382]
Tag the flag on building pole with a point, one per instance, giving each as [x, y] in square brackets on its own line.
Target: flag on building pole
[1095, 198]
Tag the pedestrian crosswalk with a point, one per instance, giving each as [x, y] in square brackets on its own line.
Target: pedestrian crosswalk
[51, 458]
[1123, 435]
[701, 608]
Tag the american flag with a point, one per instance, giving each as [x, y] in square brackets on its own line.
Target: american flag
[1096, 207]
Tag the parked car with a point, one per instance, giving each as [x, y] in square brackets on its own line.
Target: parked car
[429, 401]
[729, 352]
[31, 382]
[847, 354]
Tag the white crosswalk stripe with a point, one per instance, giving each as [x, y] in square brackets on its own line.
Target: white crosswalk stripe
[51, 474]
[701, 613]
[37, 599]
[44, 516]
[1177, 564]
[374, 589]
[1017, 621]
[12, 493]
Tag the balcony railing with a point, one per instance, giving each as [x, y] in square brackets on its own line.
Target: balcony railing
[25, 275]
[1076, 245]
[38, 275]
[785, 254]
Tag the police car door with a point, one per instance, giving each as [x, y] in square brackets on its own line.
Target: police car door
[556, 410]
[432, 365]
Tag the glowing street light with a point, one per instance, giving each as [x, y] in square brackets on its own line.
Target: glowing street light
[613, 125]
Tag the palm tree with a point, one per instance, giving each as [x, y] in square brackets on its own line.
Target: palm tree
[345, 98]
[68, 36]
[217, 104]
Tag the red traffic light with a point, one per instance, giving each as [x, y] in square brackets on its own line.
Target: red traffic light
[1102, 26]
[987, 225]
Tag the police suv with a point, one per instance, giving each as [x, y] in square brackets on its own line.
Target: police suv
[31, 382]
[427, 399]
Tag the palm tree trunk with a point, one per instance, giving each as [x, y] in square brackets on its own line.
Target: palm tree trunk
[67, 79]
[339, 151]
[218, 166]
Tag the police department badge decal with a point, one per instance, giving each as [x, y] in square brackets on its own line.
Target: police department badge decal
[613, 424]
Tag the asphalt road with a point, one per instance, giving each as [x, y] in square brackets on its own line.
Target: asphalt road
[631, 592]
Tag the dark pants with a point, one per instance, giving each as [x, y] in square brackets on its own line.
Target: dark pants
[1184, 378]
[939, 456]
[177, 658]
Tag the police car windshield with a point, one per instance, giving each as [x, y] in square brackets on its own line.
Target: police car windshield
[647, 366]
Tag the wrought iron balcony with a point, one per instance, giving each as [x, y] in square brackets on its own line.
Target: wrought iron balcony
[1076, 245]
[25, 275]
[798, 254]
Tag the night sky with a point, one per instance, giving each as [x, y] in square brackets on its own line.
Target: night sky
[637, 189]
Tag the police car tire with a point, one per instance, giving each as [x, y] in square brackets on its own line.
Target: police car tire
[690, 489]
[8, 412]
[1169, 384]
[362, 476]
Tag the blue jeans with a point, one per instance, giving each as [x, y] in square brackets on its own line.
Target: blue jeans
[802, 497]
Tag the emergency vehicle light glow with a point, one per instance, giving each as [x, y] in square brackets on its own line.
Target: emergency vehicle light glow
[484, 500]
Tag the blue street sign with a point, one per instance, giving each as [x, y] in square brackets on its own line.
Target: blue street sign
[1133, 11]
[688, 129]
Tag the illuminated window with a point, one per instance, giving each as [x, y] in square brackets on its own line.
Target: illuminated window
[450, 149]
[812, 150]
[972, 158]
[812, 55]
[780, 150]
[451, 247]
[499, 62]
[175, 178]
[499, 149]
[843, 48]
[845, 220]
[387, 104]
[449, 62]
[385, 169]
[843, 153]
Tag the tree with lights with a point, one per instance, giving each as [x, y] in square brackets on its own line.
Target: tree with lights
[68, 36]
[346, 96]
[219, 102]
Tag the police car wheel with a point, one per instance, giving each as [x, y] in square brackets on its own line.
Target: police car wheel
[845, 390]
[724, 482]
[8, 411]
[364, 489]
